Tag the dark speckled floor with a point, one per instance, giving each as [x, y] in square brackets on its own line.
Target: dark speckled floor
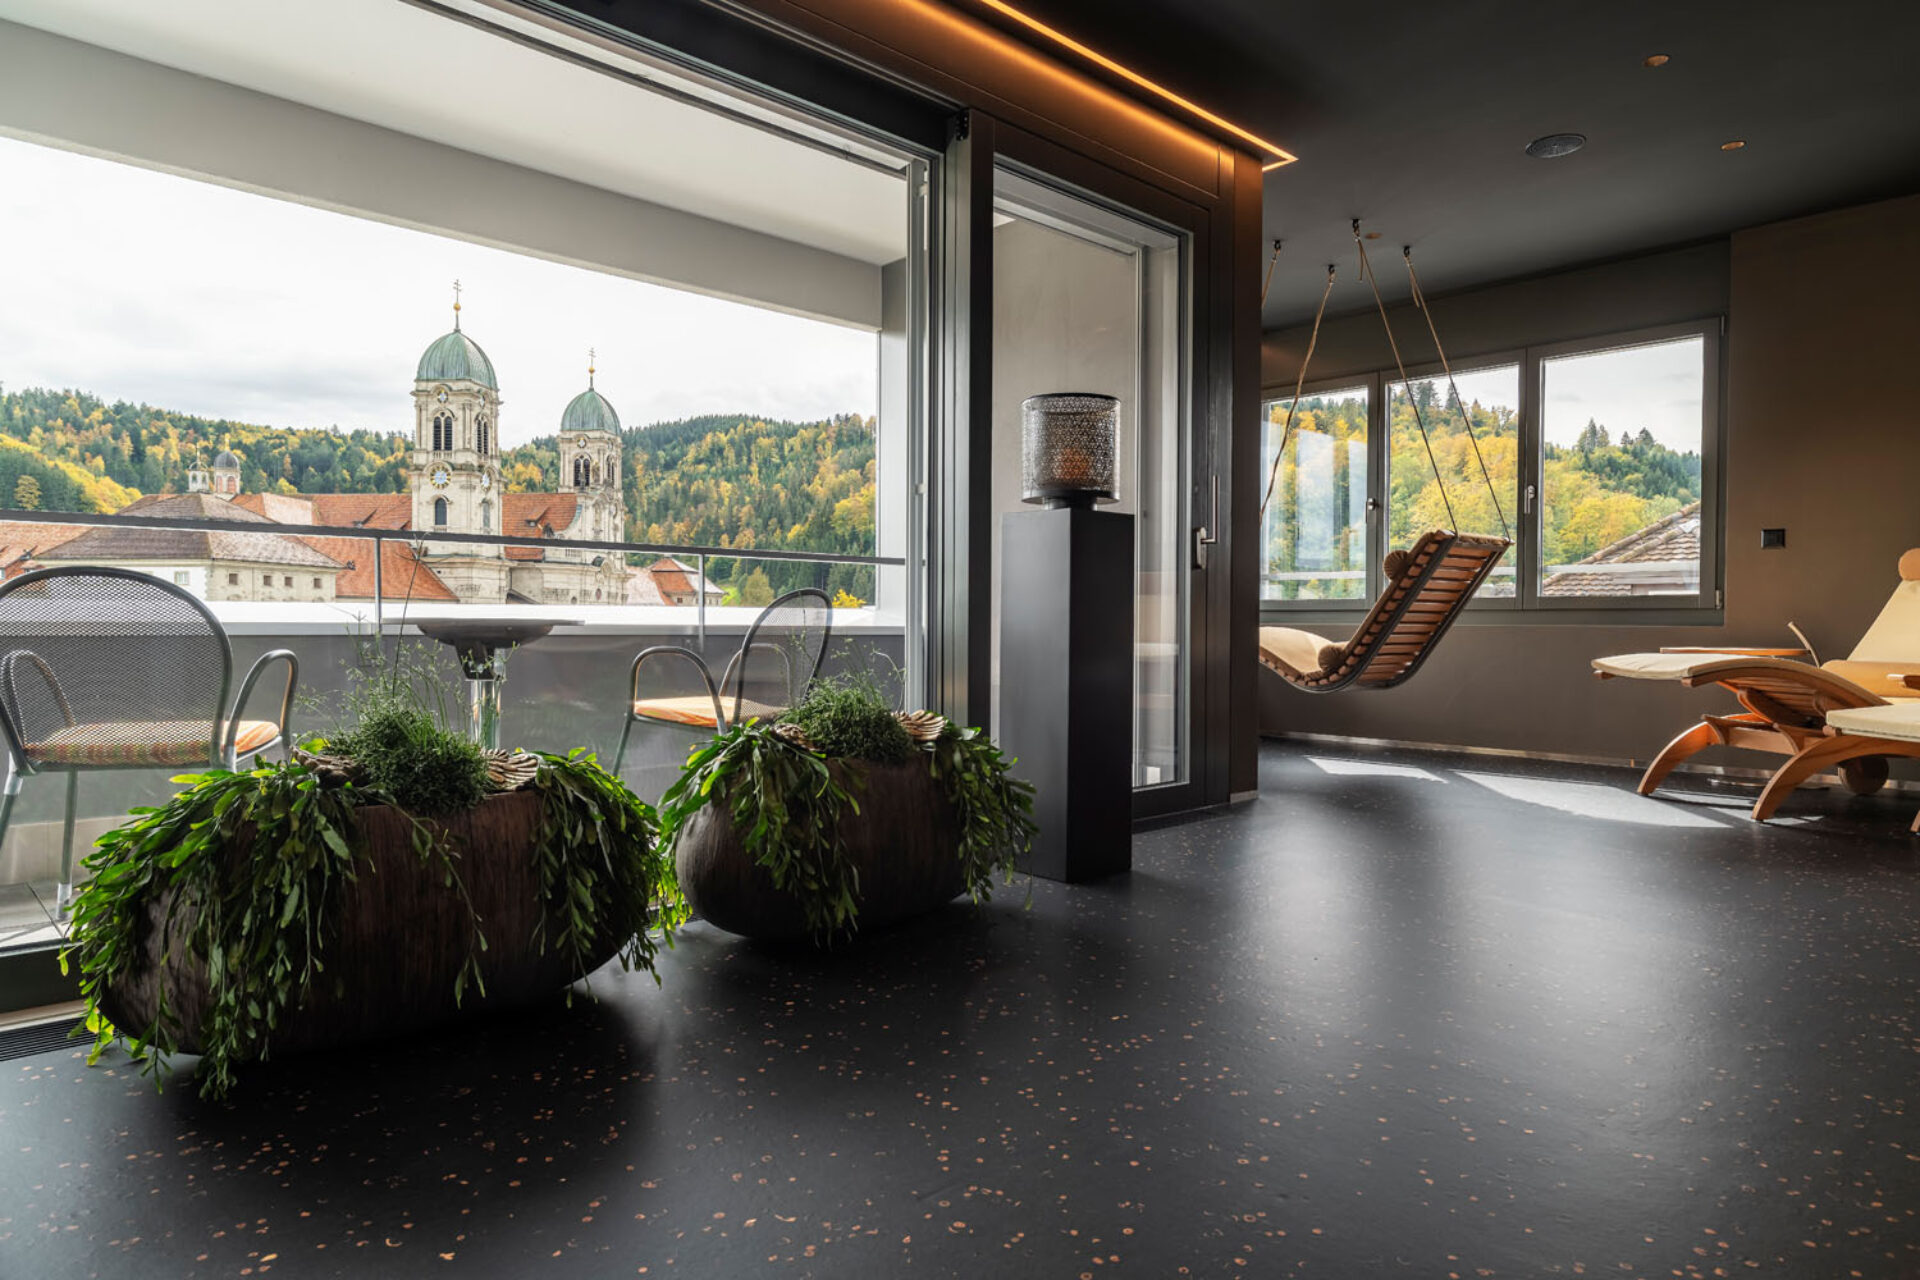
[1405, 1014]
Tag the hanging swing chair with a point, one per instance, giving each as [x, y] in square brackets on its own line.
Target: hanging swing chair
[1427, 584]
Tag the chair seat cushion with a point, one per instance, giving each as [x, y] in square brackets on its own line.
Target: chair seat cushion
[136, 742]
[1899, 721]
[695, 710]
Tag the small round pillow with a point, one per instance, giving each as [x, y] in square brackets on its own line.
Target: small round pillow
[1910, 566]
[1395, 564]
[1331, 656]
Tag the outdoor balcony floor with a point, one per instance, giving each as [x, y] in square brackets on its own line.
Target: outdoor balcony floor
[1405, 1014]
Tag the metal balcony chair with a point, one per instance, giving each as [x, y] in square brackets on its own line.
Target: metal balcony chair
[770, 672]
[113, 669]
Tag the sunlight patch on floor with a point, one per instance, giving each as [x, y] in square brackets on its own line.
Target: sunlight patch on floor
[1371, 769]
[1592, 800]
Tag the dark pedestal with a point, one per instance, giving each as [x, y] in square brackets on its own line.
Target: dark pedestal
[1066, 683]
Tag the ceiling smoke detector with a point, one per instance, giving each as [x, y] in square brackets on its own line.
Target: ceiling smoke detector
[1555, 145]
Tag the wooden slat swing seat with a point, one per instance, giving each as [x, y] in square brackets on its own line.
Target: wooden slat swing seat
[1427, 584]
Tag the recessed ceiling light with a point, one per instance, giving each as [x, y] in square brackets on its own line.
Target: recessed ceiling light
[1655, 60]
[1556, 144]
[1735, 145]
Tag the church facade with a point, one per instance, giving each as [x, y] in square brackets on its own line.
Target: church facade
[454, 487]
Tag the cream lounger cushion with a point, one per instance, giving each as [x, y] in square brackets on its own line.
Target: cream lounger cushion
[1900, 721]
[1685, 666]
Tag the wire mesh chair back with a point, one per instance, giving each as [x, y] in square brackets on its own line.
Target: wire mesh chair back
[84, 650]
[780, 657]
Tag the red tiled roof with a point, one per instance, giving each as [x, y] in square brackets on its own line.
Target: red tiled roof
[374, 510]
[1670, 538]
[402, 576]
[531, 515]
[21, 539]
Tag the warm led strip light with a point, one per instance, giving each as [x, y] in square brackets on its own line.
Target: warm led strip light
[1281, 154]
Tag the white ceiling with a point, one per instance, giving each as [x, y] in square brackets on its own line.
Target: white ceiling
[391, 64]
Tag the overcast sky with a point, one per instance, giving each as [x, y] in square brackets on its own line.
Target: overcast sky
[141, 286]
[1657, 387]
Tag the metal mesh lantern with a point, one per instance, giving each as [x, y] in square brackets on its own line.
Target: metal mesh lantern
[1067, 448]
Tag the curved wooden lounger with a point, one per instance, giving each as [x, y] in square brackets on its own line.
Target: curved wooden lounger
[1893, 729]
[1787, 707]
[1428, 585]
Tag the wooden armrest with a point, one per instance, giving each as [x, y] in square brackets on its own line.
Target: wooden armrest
[1741, 651]
[1911, 679]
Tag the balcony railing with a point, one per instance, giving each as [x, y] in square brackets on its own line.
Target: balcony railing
[564, 691]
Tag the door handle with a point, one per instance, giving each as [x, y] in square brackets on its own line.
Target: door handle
[1207, 534]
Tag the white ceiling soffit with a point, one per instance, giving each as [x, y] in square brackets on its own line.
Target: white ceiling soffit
[390, 63]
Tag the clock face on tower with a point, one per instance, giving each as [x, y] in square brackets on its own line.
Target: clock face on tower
[442, 396]
[441, 477]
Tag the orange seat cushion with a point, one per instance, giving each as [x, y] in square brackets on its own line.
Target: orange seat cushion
[135, 742]
[696, 710]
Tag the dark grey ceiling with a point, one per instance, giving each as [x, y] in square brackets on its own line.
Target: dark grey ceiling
[1413, 115]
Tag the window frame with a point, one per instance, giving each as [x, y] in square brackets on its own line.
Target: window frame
[1712, 448]
[1527, 606]
[1375, 387]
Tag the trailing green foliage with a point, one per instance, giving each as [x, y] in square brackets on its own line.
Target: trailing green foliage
[846, 716]
[787, 802]
[602, 872]
[252, 869]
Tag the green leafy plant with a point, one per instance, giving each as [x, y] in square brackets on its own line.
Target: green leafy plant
[428, 770]
[846, 716]
[602, 870]
[246, 873]
[786, 798]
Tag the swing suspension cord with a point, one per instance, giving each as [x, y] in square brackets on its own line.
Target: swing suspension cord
[1420, 420]
[1272, 262]
[1293, 405]
[1420, 302]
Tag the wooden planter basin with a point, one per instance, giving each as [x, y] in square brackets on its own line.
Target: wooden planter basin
[400, 937]
[905, 843]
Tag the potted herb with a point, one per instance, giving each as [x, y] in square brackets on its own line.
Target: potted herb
[383, 880]
[841, 814]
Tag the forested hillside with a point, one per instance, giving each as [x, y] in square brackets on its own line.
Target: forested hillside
[731, 480]
[1594, 492]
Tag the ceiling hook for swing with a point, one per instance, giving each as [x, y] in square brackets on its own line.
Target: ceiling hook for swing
[1272, 262]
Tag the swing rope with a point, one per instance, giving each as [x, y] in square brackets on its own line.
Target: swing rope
[1272, 262]
[1420, 420]
[1293, 405]
[1420, 302]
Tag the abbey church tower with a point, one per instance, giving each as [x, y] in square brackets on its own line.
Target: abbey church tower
[455, 469]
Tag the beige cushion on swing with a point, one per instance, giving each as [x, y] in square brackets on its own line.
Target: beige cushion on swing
[1295, 653]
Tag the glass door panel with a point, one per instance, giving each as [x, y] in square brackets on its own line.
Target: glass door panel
[1087, 298]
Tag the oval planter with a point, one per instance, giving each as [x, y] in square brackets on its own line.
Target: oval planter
[904, 842]
[400, 937]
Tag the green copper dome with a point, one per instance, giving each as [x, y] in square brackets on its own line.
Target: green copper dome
[589, 411]
[455, 356]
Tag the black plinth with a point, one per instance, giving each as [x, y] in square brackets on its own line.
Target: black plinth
[1066, 683]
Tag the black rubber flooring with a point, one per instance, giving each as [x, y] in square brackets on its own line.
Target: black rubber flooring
[1404, 1015]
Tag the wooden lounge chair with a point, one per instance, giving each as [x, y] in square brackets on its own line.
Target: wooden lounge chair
[1788, 704]
[1427, 586]
[1893, 728]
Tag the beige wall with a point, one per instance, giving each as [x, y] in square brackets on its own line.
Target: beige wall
[1823, 437]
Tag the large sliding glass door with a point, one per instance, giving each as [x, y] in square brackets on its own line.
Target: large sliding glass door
[1090, 297]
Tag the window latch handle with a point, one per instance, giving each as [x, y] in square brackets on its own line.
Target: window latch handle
[1526, 501]
[1208, 534]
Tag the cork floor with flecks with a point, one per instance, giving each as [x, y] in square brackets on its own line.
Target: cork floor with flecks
[1405, 1014]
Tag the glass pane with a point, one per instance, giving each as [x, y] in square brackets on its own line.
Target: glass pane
[1088, 299]
[1621, 435]
[1315, 531]
[1417, 500]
